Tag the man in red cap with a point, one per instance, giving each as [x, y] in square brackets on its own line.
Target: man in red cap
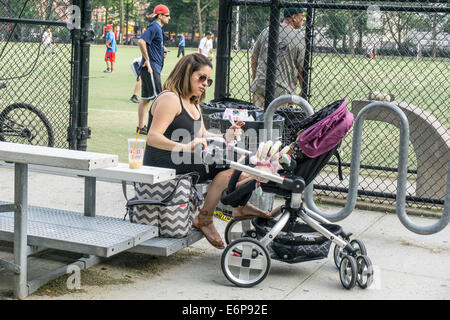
[152, 49]
[111, 49]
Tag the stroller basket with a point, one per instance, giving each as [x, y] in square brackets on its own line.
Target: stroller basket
[297, 242]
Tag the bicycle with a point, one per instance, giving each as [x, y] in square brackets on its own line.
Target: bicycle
[24, 123]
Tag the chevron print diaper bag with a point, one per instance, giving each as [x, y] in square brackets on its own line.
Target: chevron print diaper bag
[169, 205]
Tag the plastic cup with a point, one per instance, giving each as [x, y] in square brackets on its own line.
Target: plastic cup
[136, 149]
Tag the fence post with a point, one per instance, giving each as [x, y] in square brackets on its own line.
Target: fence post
[223, 50]
[75, 85]
[272, 52]
[84, 131]
[309, 36]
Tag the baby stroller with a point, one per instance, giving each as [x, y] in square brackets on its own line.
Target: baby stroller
[296, 234]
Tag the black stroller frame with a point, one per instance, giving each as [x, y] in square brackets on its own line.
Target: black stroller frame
[249, 254]
[246, 260]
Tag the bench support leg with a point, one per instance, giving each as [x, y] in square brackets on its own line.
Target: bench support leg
[89, 196]
[20, 229]
[90, 188]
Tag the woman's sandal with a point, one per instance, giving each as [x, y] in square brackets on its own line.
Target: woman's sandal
[258, 214]
[207, 221]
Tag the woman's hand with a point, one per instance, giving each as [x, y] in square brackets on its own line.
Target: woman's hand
[190, 147]
[234, 131]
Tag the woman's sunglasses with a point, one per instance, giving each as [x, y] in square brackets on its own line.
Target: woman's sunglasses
[203, 78]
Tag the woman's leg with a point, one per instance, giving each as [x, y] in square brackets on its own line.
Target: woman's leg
[204, 220]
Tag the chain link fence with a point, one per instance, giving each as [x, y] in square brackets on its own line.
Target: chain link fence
[35, 72]
[395, 51]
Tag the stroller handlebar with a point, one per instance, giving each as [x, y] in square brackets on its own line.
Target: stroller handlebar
[256, 172]
[215, 150]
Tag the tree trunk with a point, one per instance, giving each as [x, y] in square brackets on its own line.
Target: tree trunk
[200, 24]
[126, 26]
[49, 10]
[120, 35]
[434, 35]
[351, 44]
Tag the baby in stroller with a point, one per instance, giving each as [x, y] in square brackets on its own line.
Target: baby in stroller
[295, 233]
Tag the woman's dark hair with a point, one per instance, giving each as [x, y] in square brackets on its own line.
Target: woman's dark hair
[179, 79]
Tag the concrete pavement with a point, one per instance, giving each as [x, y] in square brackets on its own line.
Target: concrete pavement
[406, 265]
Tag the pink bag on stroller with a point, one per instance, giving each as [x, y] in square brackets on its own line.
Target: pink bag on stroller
[327, 133]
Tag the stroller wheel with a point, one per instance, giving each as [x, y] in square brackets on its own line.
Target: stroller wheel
[359, 245]
[338, 254]
[348, 272]
[236, 229]
[245, 262]
[365, 271]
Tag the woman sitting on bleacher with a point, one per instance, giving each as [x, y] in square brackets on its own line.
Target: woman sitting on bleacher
[176, 126]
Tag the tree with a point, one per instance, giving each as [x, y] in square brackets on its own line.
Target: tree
[398, 23]
[337, 25]
[360, 22]
[121, 13]
[201, 6]
[351, 45]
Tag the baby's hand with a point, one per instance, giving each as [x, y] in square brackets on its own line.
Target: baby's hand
[268, 158]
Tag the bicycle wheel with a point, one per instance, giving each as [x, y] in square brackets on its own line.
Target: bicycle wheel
[24, 123]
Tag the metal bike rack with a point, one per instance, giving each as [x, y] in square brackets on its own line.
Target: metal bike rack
[355, 166]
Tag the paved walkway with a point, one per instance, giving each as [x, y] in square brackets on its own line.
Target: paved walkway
[407, 265]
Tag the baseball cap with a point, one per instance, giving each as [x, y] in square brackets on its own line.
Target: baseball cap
[109, 27]
[291, 11]
[159, 9]
[208, 33]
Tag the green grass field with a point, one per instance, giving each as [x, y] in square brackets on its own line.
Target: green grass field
[112, 116]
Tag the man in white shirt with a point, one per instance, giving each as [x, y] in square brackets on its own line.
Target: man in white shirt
[47, 40]
[206, 46]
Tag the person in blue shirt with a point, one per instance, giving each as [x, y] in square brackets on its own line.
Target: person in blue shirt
[181, 46]
[111, 49]
[152, 49]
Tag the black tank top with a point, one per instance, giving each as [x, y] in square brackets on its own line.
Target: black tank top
[183, 129]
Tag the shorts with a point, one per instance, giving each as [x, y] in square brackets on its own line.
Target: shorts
[205, 174]
[149, 91]
[111, 56]
[135, 69]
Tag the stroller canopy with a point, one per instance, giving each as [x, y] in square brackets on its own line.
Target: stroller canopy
[323, 135]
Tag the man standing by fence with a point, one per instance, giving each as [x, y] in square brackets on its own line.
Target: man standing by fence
[291, 53]
[152, 49]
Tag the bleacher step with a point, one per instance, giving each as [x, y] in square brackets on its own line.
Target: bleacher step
[160, 246]
[72, 231]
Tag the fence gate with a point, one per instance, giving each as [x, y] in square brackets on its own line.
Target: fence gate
[43, 76]
[353, 50]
